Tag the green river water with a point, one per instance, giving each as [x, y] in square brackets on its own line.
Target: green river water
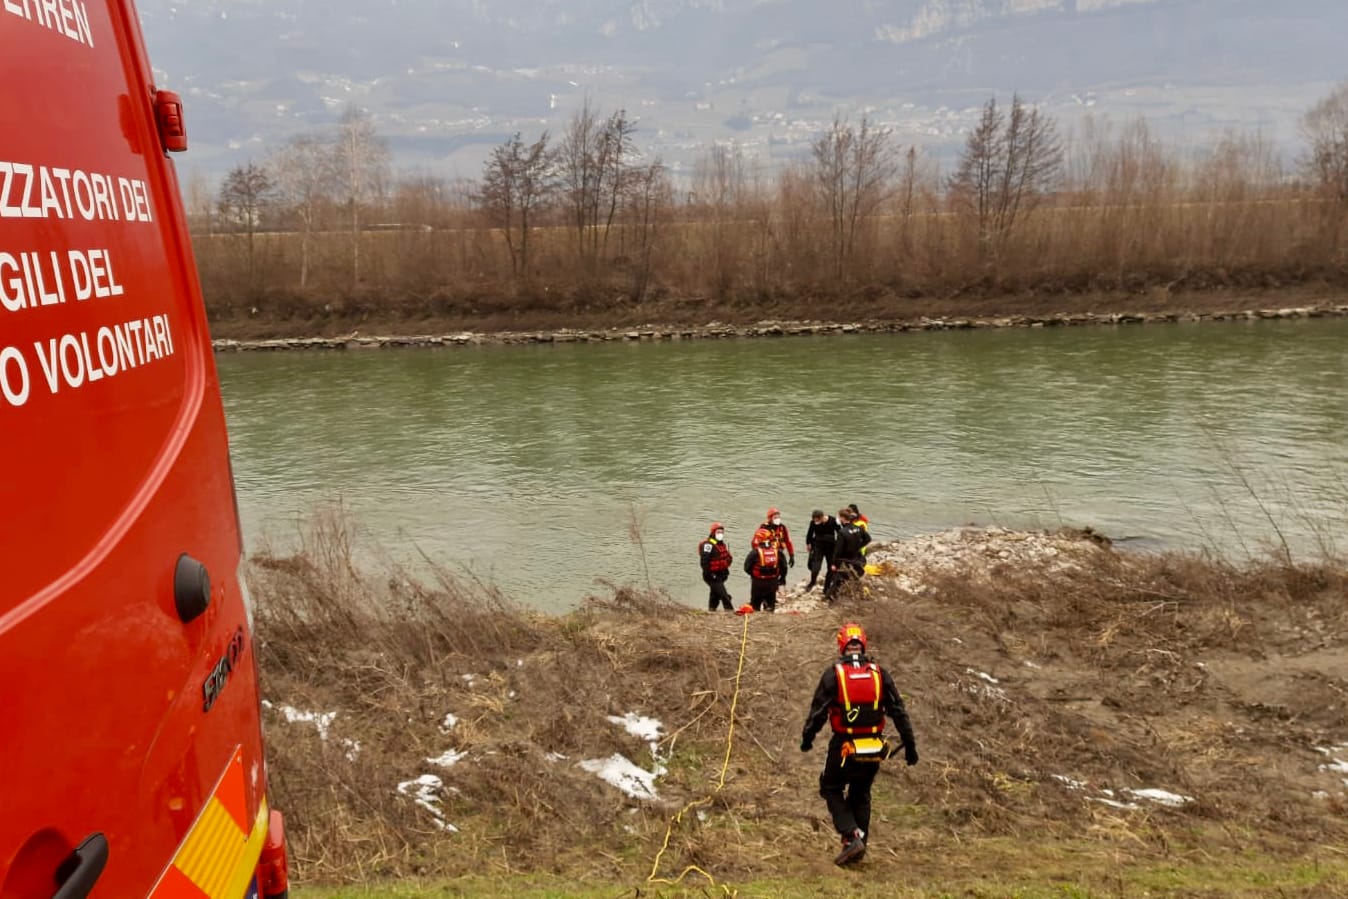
[543, 468]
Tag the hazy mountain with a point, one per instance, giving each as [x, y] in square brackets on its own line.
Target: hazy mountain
[448, 79]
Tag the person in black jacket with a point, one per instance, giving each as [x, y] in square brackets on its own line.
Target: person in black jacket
[848, 563]
[854, 695]
[820, 539]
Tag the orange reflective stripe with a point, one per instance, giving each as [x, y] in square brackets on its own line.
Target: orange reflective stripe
[218, 857]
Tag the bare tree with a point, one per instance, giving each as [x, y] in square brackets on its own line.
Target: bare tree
[649, 197]
[917, 182]
[517, 183]
[975, 179]
[200, 202]
[720, 184]
[580, 173]
[854, 169]
[616, 146]
[306, 176]
[362, 165]
[1010, 162]
[1325, 127]
[593, 165]
[244, 197]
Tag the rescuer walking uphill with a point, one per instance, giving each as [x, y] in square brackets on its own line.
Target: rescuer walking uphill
[715, 557]
[854, 695]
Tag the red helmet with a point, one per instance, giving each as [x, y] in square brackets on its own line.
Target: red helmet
[850, 633]
[772, 512]
[762, 537]
[716, 526]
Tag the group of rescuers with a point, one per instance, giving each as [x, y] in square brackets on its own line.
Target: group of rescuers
[839, 543]
[854, 694]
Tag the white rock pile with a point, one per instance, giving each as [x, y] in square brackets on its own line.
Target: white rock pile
[975, 553]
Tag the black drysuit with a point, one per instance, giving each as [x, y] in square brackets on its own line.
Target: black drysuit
[846, 787]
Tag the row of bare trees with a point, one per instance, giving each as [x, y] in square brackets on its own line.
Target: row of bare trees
[592, 179]
[586, 213]
[343, 171]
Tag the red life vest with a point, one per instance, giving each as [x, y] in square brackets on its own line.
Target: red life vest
[857, 709]
[781, 537]
[765, 567]
[720, 555]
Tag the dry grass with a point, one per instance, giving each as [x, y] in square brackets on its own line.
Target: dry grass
[1136, 225]
[1173, 672]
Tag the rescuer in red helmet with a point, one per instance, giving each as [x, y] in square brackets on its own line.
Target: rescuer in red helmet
[854, 695]
[781, 538]
[714, 554]
[763, 565]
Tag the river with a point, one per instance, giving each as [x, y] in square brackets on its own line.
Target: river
[542, 469]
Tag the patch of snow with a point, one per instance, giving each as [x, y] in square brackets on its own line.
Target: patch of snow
[617, 771]
[447, 759]
[1164, 797]
[450, 720]
[1106, 797]
[320, 720]
[997, 694]
[1113, 803]
[424, 791]
[1337, 755]
[647, 729]
[987, 677]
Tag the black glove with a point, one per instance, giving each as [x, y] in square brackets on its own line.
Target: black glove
[791, 562]
[910, 755]
[806, 743]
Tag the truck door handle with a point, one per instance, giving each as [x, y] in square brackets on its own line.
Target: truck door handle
[78, 873]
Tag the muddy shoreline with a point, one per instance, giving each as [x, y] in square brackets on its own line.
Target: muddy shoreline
[770, 328]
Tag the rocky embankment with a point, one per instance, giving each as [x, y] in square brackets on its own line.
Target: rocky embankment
[974, 553]
[716, 330]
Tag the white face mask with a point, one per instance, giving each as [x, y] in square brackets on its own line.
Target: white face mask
[720, 535]
[776, 519]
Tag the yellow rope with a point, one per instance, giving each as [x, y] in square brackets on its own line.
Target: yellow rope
[720, 784]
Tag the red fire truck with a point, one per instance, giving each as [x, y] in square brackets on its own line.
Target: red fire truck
[131, 756]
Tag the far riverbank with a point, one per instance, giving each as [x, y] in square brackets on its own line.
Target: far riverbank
[769, 321]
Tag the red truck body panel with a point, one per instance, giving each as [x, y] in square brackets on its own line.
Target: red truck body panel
[117, 716]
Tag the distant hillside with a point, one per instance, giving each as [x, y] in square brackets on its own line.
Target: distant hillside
[447, 80]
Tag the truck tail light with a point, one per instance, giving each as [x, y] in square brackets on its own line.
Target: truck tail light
[273, 868]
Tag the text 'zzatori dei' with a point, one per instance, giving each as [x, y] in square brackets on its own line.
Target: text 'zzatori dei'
[40, 285]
